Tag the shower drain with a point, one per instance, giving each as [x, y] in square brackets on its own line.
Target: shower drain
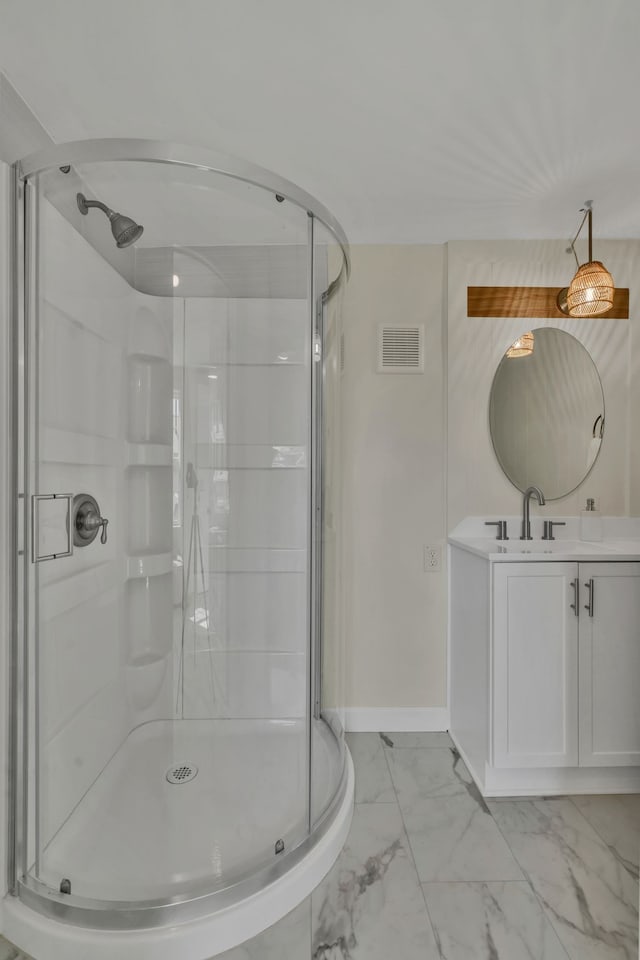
[182, 773]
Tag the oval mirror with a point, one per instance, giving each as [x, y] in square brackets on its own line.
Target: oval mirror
[546, 412]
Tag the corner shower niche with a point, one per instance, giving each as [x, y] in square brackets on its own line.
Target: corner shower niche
[149, 584]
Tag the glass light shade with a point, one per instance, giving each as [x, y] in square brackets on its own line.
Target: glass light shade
[522, 347]
[591, 291]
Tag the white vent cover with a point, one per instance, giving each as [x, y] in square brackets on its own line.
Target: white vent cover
[400, 348]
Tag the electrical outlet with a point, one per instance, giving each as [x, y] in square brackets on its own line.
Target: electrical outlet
[431, 559]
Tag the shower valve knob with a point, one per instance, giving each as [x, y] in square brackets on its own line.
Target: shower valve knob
[87, 521]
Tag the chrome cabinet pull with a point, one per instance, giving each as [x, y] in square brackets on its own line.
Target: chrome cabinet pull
[576, 593]
[589, 606]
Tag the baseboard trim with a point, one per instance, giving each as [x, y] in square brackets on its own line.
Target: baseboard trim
[396, 719]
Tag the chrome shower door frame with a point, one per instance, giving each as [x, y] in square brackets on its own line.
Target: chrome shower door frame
[201, 899]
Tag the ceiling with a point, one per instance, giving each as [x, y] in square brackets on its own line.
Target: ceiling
[412, 121]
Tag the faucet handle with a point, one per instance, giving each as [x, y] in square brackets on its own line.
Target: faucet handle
[548, 528]
[501, 532]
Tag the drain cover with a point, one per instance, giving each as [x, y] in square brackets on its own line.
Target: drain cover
[182, 773]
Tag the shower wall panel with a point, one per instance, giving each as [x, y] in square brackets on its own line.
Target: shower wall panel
[86, 313]
[246, 416]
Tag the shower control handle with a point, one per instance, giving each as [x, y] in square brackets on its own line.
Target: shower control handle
[92, 522]
[87, 520]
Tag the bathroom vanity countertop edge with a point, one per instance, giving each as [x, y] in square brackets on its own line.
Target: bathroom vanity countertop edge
[517, 551]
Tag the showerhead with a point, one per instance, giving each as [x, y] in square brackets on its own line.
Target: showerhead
[125, 230]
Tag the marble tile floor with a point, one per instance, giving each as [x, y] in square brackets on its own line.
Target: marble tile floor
[432, 871]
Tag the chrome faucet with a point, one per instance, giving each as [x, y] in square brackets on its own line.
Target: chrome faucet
[526, 525]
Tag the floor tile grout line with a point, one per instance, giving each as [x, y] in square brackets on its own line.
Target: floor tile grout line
[525, 873]
[548, 913]
[395, 798]
[436, 939]
[552, 919]
[425, 883]
[436, 936]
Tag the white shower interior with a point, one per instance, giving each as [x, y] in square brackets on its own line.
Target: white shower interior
[188, 420]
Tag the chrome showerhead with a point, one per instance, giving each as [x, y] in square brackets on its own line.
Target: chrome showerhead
[125, 230]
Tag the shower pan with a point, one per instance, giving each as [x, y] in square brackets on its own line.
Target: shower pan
[178, 773]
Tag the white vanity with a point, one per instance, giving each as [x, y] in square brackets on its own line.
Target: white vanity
[545, 660]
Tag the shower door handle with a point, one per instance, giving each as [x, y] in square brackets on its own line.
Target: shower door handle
[51, 528]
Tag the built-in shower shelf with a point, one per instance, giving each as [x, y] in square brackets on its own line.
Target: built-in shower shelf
[149, 565]
[149, 454]
[69, 446]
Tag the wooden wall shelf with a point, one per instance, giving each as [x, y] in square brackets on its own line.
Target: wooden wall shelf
[532, 302]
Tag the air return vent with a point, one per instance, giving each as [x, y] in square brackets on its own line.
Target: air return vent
[400, 349]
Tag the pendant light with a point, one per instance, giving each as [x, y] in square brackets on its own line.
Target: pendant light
[590, 293]
[522, 347]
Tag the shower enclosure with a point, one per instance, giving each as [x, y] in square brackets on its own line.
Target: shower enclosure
[177, 663]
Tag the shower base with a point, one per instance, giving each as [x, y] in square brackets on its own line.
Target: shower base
[137, 836]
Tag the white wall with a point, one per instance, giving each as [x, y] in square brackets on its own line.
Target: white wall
[396, 497]
[20, 131]
[394, 462]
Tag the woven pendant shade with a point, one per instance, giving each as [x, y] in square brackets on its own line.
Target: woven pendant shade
[591, 291]
[522, 347]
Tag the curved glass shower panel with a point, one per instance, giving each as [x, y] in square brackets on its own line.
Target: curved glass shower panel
[171, 383]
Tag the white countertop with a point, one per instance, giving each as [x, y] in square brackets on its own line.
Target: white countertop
[621, 541]
[519, 550]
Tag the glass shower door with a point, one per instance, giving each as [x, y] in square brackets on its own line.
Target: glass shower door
[181, 642]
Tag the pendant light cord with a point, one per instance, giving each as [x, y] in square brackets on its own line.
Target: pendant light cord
[572, 247]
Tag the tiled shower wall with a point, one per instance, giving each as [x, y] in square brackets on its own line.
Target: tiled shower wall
[246, 423]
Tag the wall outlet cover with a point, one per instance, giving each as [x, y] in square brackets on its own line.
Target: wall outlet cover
[432, 558]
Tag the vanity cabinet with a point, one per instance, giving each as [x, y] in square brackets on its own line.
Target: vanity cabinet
[566, 664]
[545, 670]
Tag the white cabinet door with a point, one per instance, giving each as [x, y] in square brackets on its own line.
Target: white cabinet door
[609, 664]
[535, 665]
